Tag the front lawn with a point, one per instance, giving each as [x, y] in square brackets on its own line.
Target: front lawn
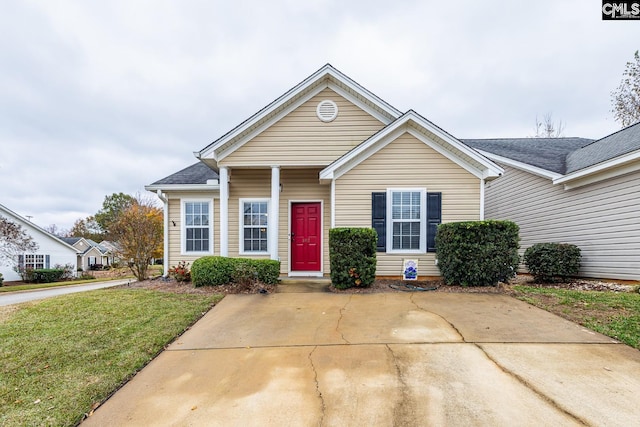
[61, 356]
[615, 314]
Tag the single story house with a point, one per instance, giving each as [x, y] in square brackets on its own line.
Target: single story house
[90, 253]
[572, 190]
[51, 249]
[327, 153]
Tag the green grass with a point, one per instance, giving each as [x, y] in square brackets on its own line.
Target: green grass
[615, 314]
[60, 356]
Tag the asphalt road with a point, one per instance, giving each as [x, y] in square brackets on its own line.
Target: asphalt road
[25, 296]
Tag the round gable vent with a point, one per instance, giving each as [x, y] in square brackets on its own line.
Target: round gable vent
[327, 110]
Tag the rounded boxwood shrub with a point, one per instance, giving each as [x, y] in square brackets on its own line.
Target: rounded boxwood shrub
[217, 270]
[212, 271]
[550, 261]
[477, 253]
[352, 255]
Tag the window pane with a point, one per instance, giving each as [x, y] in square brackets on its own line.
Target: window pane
[255, 220]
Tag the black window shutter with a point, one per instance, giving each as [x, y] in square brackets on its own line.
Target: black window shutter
[21, 261]
[434, 217]
[379, 219]
[47, 260]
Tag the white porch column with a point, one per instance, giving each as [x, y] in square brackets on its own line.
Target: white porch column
[482, 200]
[274, 212]
[224, 211]
[165, 248]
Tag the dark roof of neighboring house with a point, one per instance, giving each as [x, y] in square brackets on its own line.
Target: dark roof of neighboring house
[546, 153]
[198, 173]
[617, 144]
[70, 240]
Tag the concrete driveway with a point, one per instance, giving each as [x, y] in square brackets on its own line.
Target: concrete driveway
[395, 359]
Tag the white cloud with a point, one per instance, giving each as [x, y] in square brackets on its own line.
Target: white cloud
[102, 97]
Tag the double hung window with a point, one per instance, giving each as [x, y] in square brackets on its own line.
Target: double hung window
[197, 226]
[254, 217]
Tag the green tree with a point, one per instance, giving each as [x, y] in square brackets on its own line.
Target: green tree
[139, 233]
[626, 98]
[112, 207]
[14, 240]
[87, 228]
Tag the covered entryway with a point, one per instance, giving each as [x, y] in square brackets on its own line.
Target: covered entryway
[306, 237]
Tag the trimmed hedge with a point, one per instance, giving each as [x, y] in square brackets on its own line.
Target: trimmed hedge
[43, 275]
[217, 270]
[477, 253]
[352, 255]
[548, 261]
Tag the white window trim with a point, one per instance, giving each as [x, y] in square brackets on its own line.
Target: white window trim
[423, 221]
[241, 225]
[183, 227]
[34, 264]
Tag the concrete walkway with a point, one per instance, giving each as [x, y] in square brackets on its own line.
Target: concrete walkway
[395, 359]
[8, 298]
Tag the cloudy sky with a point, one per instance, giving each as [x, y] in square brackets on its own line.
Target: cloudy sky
[99, 97]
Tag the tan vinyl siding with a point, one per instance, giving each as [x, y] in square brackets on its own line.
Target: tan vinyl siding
[406, 163]
[301, 139]
[601, 218]
[297, 185]
[245, 183]
[175, 232]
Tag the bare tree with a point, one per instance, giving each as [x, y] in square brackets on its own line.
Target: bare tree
[626, 98]
[547, 128]
[56, 231]
[14, 240]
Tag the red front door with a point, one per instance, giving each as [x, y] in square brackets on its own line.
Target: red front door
[306, 237]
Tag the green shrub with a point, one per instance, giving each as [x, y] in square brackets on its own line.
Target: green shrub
[352, 255]
[46, 275]
[549, 261]
[268, 270]
[217, 270]
[212, 271]
[477, 253]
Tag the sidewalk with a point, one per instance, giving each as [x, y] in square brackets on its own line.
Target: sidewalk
[9, 298]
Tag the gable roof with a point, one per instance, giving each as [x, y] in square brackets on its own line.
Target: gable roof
[6, 212]
[199, 174]
[617, 144]
[425, 131]
[545, 153]
[325, 77]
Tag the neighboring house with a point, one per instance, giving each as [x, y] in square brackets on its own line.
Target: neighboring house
[112, 249]
[572, 190]
[51, 249]
[328, 153]
[90, 253]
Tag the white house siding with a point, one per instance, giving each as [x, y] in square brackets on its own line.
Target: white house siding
[602, 219]
[301, 139]
[175, 238]
[406, 163]
[59, 253]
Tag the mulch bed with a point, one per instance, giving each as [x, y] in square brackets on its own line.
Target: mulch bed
[170, 285]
